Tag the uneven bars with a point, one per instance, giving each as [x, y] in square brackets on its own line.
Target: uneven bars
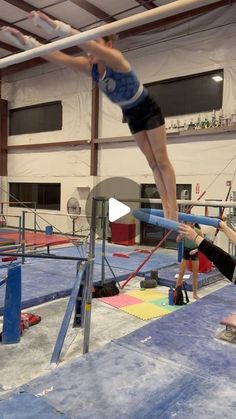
[114, 27]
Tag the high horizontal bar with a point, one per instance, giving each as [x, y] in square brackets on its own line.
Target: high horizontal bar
[218, 204]
[187, 202]
[143, 18]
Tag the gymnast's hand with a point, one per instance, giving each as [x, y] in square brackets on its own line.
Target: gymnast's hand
[53, 27]
[222, 226]
[186, 231]
[14, 35]
[39, 18]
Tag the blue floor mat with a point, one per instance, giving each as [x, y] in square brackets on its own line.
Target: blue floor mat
[46, 280]
[161, 258]
[166, 277]
[190, 338]
[121, 383]
[173, 367]
[27, 406]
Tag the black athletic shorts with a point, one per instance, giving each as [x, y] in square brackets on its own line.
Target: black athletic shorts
[144, 116]
[187, 256]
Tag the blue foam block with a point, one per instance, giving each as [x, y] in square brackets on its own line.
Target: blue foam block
[12, 307]
[182, 216]
[147, 217]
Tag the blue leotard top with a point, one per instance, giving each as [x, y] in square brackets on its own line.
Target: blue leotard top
[124, 89]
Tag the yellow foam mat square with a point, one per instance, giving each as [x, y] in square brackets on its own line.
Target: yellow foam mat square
[145, 311]
[147, 294]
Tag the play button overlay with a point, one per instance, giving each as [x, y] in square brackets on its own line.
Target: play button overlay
[117, 210]
[115, 193]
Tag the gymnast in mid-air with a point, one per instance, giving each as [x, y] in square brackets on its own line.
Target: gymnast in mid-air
[115, 77]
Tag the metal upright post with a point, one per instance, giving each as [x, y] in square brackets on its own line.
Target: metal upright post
[73, 227]
[104, 235]
[89, 277]
[20, 230]
[35, 217]
[68, 313]
[23, 236]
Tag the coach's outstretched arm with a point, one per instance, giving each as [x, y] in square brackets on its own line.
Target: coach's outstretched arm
[221, 259]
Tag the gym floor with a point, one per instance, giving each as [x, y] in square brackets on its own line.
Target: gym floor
[174, 366]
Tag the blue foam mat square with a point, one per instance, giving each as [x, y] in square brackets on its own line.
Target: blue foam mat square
[172, 367]
[119, 382]
[166, 277]
[188, 336]
[27, 406]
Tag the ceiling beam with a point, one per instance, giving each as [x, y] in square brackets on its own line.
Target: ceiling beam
[26, 7]
[8, 47]
[175, 18]
[147, 4]
[93, 10]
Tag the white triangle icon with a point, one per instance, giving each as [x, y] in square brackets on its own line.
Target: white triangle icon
[117, 209]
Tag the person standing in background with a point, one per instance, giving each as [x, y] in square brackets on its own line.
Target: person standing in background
[190, 252]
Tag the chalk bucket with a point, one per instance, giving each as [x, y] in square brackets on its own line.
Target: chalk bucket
[48, 230]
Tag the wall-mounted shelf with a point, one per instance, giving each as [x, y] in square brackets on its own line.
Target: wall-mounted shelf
[203, 131]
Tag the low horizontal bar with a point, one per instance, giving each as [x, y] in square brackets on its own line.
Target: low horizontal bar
[9, 247]
[17, 202]
[158, 221]
[48, 256]
[60, 213]
[54, 213]
[9, 216]
[182, 216]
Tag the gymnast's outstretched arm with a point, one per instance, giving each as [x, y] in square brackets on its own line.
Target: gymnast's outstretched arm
[110, 56]
[27, 42]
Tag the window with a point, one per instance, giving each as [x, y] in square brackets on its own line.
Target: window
[44, 195]
[192, 94]
[38, 118]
